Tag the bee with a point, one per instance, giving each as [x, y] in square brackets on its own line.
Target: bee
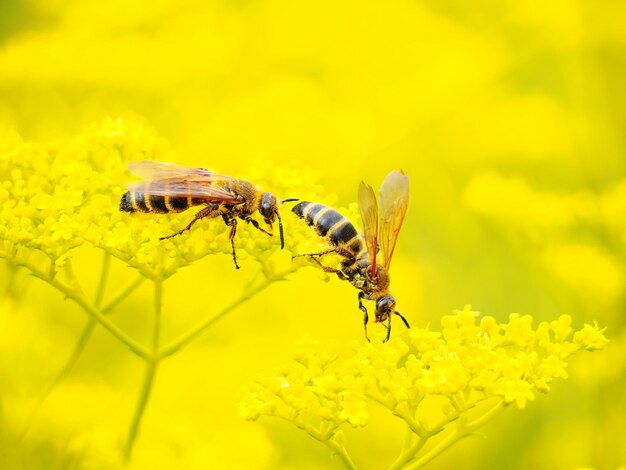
[174, 188]
[360, 264]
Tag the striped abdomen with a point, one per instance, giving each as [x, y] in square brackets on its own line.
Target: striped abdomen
[329, 223]
[133, 201]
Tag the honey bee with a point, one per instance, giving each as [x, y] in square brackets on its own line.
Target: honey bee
[174, 188]
[360, 264]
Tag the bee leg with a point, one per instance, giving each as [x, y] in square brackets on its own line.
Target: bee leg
[403, 319]
[312, 255]
[256, 225]
[208, 211]
[388, 330]
[231, 236]
[328, 269]
[345, 253]
[365, 316]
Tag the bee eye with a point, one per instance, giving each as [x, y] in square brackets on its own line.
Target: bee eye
[268, 205]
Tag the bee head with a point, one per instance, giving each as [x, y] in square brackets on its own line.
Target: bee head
[269, 210]
[385, 307]
[268, 207]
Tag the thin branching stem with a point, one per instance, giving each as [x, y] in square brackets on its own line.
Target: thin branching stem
[73, 292]
[69, 365]
[151, 369]
[86, 334]
[184, 339]
[13, 269]
[121, 296]
[342, 453]
[89, 327]
[461, 432]
[408, 439]
[104, 277]
[322, 437]
[409, 454]
[82, 342]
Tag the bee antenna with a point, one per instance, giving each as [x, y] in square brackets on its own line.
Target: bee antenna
[403, 319]
[280, 230]
[290, 199]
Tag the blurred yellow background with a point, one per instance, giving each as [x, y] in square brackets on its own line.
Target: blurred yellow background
[508, 117]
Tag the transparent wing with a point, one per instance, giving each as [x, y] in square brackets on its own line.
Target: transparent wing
[169, 179]
[152, 170]
[369, 214]
[394, 201]
[185, 187]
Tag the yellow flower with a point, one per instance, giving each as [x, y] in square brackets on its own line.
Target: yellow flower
[474, 359]
[590, 338]
[353, 409]
[56, 198]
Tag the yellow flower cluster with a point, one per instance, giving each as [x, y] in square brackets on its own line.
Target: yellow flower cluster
[472, 360]
[56, 197]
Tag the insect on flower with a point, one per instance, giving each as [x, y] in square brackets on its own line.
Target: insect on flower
[174, 188]
[360, 265]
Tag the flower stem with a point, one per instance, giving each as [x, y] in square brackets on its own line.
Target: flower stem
[342, 453]
[104, 276]
[73, 293]
[408, 453]
[69, 365]
[87, 331]
[181, 341]
[151, 368]
[81, 343]
[460, 433]
[330, 443]
[13, 269]
[146, 388]
[121, 296]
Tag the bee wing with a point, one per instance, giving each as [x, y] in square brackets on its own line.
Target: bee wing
[169, 179]
[394, 201]
[152, 170]
[186, 187]
[369, 215]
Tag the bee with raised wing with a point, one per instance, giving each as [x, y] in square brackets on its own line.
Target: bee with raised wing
[360, 264]
[174, 188]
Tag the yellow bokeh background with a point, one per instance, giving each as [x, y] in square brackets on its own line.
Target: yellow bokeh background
[508, 118]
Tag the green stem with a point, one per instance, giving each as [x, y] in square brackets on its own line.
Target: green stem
[409, 454]
[181, 341]
[489, 414]
[69, 365]
[104, 276]
[408, 439]
[78, 349]
[151, 369]
[74, 293]
[84, 338]
[330, 443]
[460, 433]
[132, 263]
[409, 449]
[86, 334]
[413, 425]
[342, 453]
[10, 290]
[121, 296]
[144, 395]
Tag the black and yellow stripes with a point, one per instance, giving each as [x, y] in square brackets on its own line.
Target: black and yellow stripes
[142, 202]
[329, 223]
